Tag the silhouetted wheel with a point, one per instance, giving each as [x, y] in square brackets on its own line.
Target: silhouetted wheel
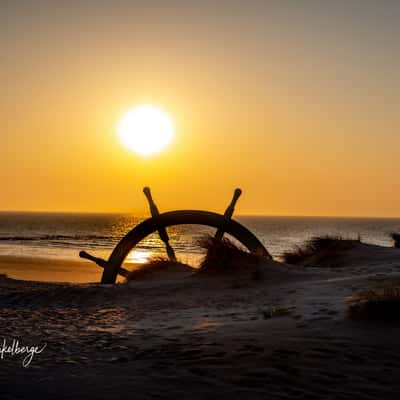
[173, 218]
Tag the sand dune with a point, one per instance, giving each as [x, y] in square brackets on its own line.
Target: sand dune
[354, 254]
[283, 335]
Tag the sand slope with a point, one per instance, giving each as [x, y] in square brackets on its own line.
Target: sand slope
[196, 337]
[356, 254]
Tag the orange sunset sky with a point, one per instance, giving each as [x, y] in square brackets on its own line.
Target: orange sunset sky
[295, 102]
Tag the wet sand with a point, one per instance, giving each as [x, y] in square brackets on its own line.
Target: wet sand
[239, 337]
[50, 270]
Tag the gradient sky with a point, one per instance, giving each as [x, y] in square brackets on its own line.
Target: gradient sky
[296, 102]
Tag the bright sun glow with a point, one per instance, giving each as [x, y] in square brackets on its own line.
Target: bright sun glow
[146, 130]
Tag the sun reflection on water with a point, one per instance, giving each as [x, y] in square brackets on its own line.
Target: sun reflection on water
[139, 256]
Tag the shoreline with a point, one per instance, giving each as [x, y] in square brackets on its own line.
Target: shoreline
[54, 270]
[43, 269]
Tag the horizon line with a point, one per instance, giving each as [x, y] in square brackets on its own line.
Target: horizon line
[143, 213]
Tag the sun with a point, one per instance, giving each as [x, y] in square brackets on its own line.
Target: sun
[146, 130]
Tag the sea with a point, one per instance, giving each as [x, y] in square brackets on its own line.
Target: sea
[63, 235]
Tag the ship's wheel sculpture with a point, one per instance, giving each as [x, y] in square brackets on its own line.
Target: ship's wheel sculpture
[159, 222]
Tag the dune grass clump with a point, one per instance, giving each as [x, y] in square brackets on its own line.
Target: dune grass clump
[376, 304]
[224, 255]
[323, 245]
[156, 265]
[396, 239]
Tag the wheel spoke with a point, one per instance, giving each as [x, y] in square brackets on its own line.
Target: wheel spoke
[228, 213]
[162, 232]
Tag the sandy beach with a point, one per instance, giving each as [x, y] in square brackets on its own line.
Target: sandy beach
[50, 270]
[285, 335]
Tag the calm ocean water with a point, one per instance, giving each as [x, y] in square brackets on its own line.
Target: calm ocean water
[64, 235]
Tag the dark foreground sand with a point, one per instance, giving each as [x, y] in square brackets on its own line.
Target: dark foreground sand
[203, 337]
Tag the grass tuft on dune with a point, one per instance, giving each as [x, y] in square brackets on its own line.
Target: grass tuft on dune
[224, 256]
[376, 304]
[156, 266]
[318, 245]
[396, 238]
